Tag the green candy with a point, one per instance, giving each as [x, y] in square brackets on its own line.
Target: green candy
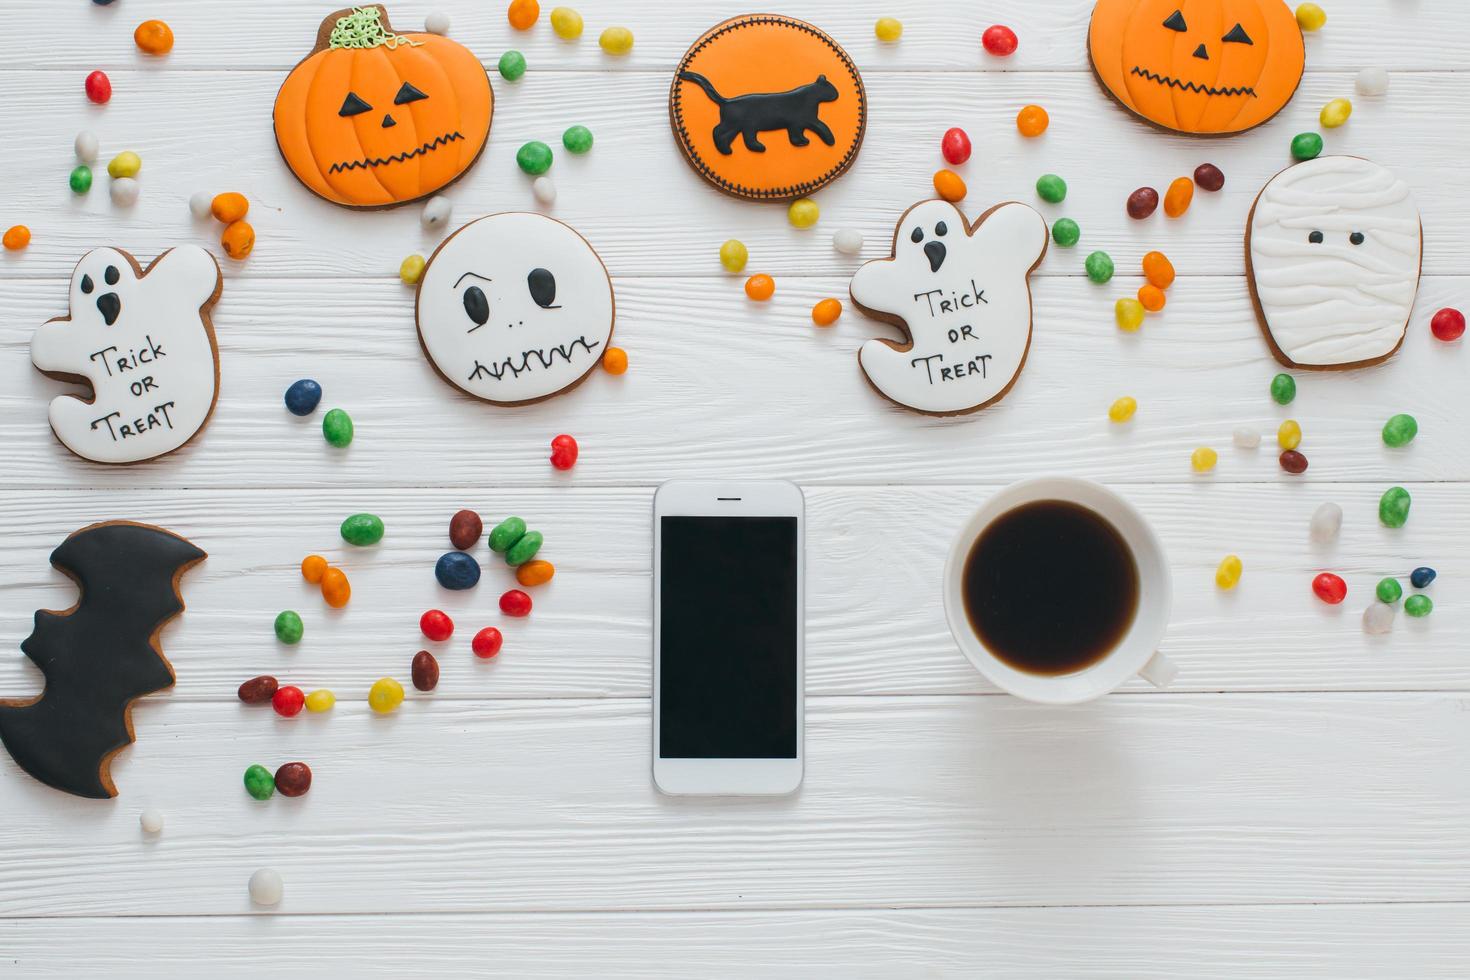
[1400, 430]
[1418, 606]
[512, 65]
[1306, 146]
[289, 627]
[1099, 267]
[577, 139]
[337, 428]
[534, 157]
[1283, 389]
[1051, 188]
[505, 534]
[259, 782]
[524, 550]
[1393, 507]
[81, 179]
[1065, 232]
[362, 529]
[1389, 591]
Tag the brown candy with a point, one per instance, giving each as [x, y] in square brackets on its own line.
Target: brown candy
[258, 690]
[293, 779]
[1142, 203]
[1209, 177]
[464, 529]
[425, 671]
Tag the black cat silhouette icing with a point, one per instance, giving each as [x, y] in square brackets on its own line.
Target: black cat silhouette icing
[746, 116]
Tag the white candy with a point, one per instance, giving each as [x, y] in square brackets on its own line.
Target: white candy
[1247, 438]
[436, 212]
[199, 204]
[1378, 619]
[87, 146]
[544, 190]
[266, 887]
[1326, 523]
[437, 23]
[848, 241]
[124, 191]
[1372, 81]
[151, 821]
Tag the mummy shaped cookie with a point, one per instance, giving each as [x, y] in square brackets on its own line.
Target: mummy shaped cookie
[1333, 251]
[143, 342]
[962, 297]
[514, 308]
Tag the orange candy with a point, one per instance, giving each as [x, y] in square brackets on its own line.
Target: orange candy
[17, 238]
[535, 572]
[1152, 297]
[1158, 270]
[826, 312]
[238, 239]
[615, 360]
[1032, 121]
[760, 288]
[154, 37]
[950, 185]
[229, 208]
[1178, 197]
[313, 567]
[335, 587]
[523, 13]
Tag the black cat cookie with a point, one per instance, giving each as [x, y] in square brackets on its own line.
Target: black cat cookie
[768, 107]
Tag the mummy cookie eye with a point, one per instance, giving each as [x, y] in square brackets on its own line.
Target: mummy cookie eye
[1356, 238]
[542, 285]
[1237, 35]
[476, 306]
[1176, 22]
[87, 284]
[1315, 238]
[941, 229]
[110, 275]
[353, 105]
[917, 236]
[407, 93]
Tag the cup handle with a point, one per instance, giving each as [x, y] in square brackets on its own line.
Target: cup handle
[1160, 671]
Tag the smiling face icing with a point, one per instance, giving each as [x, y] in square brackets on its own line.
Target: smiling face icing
[515, 307]
[964, 300]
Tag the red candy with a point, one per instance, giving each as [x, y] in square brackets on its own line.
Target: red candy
[955, 146]
[99, 87]
[436, 625]
[1330, 588]
[486, 643]
[515, 603]
[1448, 325]
[1000, 41]
[1142, 203]
[259, 690]
[1209, 177]
[288, 701]
[1293, 462]
[563, 452]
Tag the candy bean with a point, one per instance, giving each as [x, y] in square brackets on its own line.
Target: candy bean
[303, 397]
[465, 528]
[385, 695]
[1129, 313]
[337, 428]
[16, 238]
[1389, 590]
[1393, 507]
[288, 701]
[1032, 121]
[534, 157]
[1289, 435]
[1335, 113]
[289, 627]
[425, 671]
[1158, 270]
[125, 164]
[543, 190]
[1418, 606]
[258, 690]
[615, 360]
[1099, 266]
[524, 550]
[535, 572]
[1326, 523]
[1293, 462]
[457, 571]
[566, 23]
[950, 185]
[229, 207]
[616, 40]
[336, 590]
[1000, 41]
[760, 288]
[564, 452]
[1448, 325]
[1372, 81]
[734, 255]
[293, 779]
[522, 14]
[1065, 232]
[200, 203]
[436, 625]
[151, 821]
[1051, 188]
[259, 782]
[1178, 197]
[826, 312]
[124, 191]
[487, 643]
[437, 22]
[362, 529]
[512, 65]
[153, 37]
[1152, 297]
[1421, 577]
[1142, 203]
[1400, 430]
[437, 211]
[1209, 177]
[577, 139]
[1330, 588]
[266, 887]
[98, 87]
[848, 241]
[1227, 576]
[238, 240]
[1283, 389]
[80, 179]
[888, 29]
[411, 269]
[1378, 619]
[86, 146]
[515, 603]
[955, 146]
[319, 701]
[803, 212]
[1310, 17]
[313, 567]
[506, 533]
[1306, 146]
[1203, 459]
[1245, 438]
[1122, 410]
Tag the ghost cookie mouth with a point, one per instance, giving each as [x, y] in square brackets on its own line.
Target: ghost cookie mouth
[1170, 82]
[368, 162]
[541, 358]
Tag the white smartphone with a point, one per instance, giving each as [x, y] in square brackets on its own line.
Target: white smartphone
[728, 654]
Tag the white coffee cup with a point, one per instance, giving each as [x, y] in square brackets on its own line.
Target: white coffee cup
[1137, 652]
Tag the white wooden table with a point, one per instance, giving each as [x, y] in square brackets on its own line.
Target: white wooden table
[1297, 805]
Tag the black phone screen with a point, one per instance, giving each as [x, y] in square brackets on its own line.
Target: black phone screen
[728, 638]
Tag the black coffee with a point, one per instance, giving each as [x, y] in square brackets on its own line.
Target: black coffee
[1050, 587]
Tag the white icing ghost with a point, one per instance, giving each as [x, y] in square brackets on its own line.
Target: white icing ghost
[961, 293]
[515, 307]
[143, 343]
[1335, 252]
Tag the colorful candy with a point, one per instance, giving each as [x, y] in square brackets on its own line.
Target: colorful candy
[150, 821]
[266, 887]
[1151, 297]
[535, 572]
[1293, 462]
[411, 269]
[950, 185]
[564, 452]
[1142, 203]
[1289, 434]
[336, 590]
[437, 22]
[1129, 314]
[1178, 197]
[826, 312]
[487, 643]
[337, 428]
[313, 568]
[1122, 409]
[1051, 188]
[1448, 325]
[1246, 438]
[616, 40]
[16, 238]
[1378, 619]
[229, 206]
[525, 549]
[86, 146]
[734, 255]
[1400, 430]
[803, 212]
[457, 571]
[1372, 81]
[259, 782]
[848, 241]
[1283, 389]
[200, 203]
[512, 65]
[1388, 590]
[1227, 575]
[955, 146]
[385, 695]
[543, 190]
[1209, 177]
[465, 528]
[98, 87]
[506, 533]
[362, 529]
[760, 287]
[436, 213]
[615, 360]
[125, 164]
[80, 179]
[238, 239]
[577, 139]
[1158, 270]
[258, 690]
[319, 701]
[515, 603]
[1203, 459]
[1310, 17]
[1393, 507]
[124, 191]
[293, 779]
[1326, 523]
[1421, 577]
[1065, 232]
[289, 628]
[1032, 121]
[1000, 41]
[888, 29]
[522, 14]
[1306, 146]
[1418, 606]
[1335, 113]
[425, 671]
[288, 701]
[534, 157]
[1099, 266]
[566, 23]
[1330, 588]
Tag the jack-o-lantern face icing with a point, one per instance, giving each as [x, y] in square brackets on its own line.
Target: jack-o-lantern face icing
[373, 119]
[1209, 67]
[514, 308]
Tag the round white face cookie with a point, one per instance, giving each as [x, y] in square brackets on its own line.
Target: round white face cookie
[1335, 248]
[514, 308]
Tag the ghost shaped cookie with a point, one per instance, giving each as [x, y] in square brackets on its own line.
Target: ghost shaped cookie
[514, 308]
[143, 342]
[962, 296]
[1333, 254]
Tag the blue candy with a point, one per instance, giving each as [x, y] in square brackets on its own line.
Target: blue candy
[1420, 577]
[303, 397]
[457, 570]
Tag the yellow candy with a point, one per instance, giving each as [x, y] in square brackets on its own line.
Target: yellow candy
[1129, 314]
[888, 28]
[1310, 17]
[411, 270]
[125, 164]
[386, 695]
[1122, 410]
[734, 255]
[1289, 436]
[616, 40]
[1204, 459]
[1227, 576]
[803, 212]
[1336, 112]
[567, 23]
[319, 701]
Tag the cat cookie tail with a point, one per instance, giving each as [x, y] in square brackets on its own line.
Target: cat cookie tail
[704, 83]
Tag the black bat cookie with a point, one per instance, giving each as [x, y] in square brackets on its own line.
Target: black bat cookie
[98, 656]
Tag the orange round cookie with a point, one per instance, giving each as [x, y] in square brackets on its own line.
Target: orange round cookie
[373, 119]
[1205, 67]
[768, 107]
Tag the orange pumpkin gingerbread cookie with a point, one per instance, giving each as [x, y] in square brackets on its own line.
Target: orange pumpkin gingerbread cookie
[768, 107]
[1204, 67]
[374, 119]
